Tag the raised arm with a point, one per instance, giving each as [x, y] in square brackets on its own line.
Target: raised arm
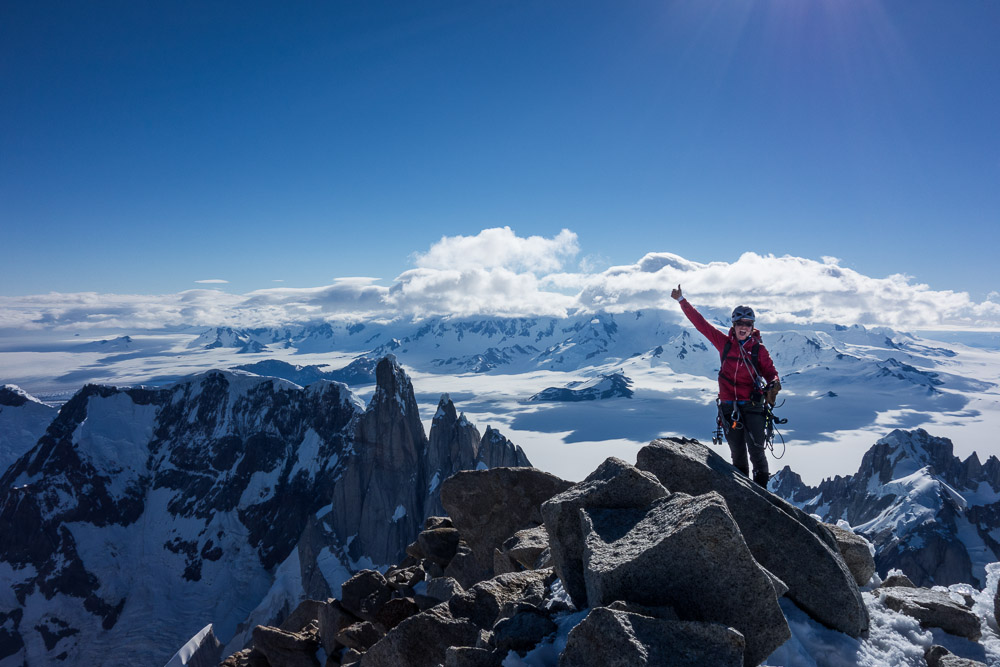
[716, 337]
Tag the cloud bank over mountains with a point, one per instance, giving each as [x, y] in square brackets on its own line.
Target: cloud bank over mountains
[496, 272]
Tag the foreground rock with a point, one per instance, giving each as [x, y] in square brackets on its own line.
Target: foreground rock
[332, 618]
[933, 609]
[670, 579]
[780, 536]
[615, 484]
[613, 638]
[489, 506]
[365, 593]
[523, 630]
[485, 601]
[857, 553]
[527, 547]
[898, 579]
[421, 640]
[288, 649]
[687, 553]
[939, 656]
[466, 656]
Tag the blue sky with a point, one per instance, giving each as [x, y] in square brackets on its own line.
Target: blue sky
[145, 146]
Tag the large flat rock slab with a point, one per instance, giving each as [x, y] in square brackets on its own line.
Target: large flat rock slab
[686, 553]
[780, 536]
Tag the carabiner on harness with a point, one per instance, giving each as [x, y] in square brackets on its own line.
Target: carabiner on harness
[725, 425]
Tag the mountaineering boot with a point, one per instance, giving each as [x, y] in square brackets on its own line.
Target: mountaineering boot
[761, 477]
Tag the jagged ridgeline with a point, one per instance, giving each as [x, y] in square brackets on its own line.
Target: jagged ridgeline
[143, 514]
[928, 513]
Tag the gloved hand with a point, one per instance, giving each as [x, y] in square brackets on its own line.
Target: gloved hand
[771, 392]
[676, 294]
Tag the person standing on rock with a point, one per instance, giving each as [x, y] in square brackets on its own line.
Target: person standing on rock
[746, 379]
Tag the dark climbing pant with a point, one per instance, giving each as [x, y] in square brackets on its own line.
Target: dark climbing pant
[747, 436]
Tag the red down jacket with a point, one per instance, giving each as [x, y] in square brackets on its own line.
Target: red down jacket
[735, 378]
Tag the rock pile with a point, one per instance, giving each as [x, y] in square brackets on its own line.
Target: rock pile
[666, 562]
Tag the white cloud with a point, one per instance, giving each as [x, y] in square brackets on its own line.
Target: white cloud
[500, 247]
[498, 273]
[786, 289]
[213, 281]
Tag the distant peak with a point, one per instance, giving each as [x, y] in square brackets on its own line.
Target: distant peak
[918, 441]
[392, 384]
[446, 409]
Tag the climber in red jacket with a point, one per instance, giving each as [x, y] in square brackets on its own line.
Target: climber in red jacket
[746, 379]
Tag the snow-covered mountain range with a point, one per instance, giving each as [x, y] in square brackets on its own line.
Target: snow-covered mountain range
[928, 513]
[144, 513]
[844, 386]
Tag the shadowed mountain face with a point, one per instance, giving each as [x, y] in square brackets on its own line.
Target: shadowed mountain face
[926, 511]
[141, 514]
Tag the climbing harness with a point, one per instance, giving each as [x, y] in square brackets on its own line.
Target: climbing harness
[725, 425]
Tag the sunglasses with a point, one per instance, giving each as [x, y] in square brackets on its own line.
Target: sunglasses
[743, 323]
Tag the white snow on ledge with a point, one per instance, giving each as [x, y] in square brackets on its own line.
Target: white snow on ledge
[399, 513]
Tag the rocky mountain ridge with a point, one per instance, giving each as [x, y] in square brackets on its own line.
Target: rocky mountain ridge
[241, 493]
[927, 512]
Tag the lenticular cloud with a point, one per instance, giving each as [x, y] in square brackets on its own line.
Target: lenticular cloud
[497, 273]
